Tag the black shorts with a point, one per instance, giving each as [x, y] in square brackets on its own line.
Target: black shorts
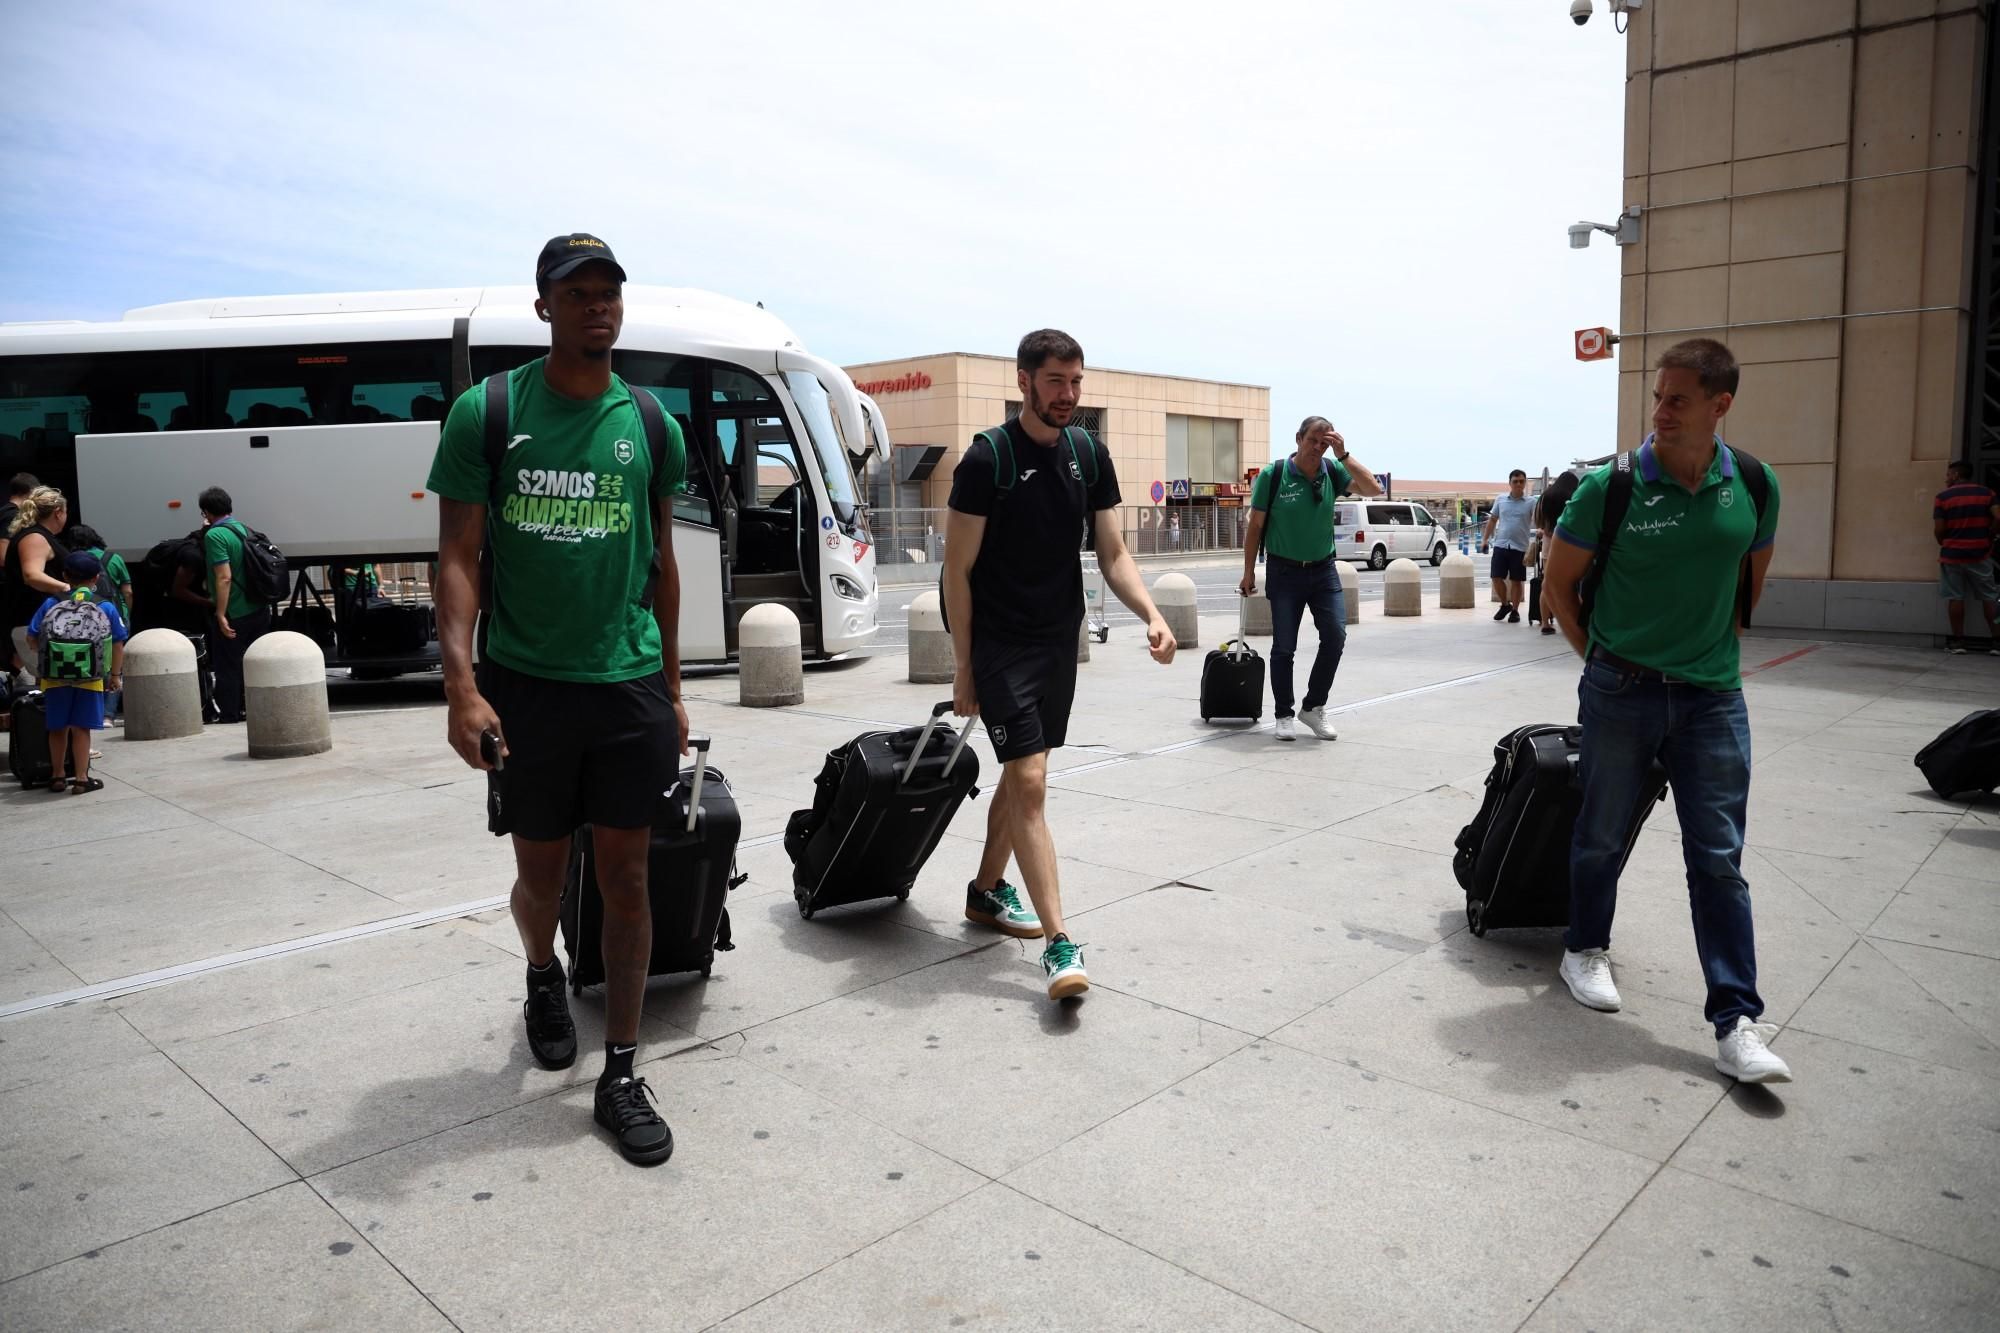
[1025, 691]
[580, 754]
[1509, 563]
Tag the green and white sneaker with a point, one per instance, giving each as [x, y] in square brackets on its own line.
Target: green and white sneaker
[1002, 909]
[1063, 961]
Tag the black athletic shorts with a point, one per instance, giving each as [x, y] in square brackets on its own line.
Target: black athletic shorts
[580, 754]
[1509, 563]
[1025, 690]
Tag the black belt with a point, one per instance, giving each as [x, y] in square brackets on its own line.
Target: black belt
[1617, 663]
[1274, 557]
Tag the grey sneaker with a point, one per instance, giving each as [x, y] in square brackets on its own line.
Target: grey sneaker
[1002, 909]
[1063, 961]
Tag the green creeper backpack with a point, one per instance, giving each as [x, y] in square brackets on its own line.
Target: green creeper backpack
[76, 640]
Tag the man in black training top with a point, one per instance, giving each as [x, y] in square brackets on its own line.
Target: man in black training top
[1023, 499]
[577, 678]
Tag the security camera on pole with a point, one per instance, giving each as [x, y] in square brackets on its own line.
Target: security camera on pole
[1580, 10]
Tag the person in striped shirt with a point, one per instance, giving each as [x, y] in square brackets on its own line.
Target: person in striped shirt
[1964, 520]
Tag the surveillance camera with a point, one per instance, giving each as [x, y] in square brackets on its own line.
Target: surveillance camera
[1579, 232]
[1579, 14]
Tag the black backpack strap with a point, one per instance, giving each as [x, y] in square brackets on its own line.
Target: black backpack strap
[1758, 483]
[496, 416]
[654, 422]
[1617, 499]
[1086, 458]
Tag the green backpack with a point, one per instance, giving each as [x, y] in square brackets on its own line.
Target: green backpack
[76, 640]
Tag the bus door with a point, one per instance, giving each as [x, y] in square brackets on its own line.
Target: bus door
[774, 520]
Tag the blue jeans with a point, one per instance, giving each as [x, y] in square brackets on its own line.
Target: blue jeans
[1703, 738]
[1293, 589]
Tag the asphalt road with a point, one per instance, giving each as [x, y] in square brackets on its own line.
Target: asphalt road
[1215, 594]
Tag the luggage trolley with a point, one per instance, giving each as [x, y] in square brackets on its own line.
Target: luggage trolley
[1093, 598]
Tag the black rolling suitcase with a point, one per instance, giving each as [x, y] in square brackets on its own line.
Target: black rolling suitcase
[1965, 757]
[1232, 678]
[1232, 682]
[690, 872]
[1512, 860]
[880, 804]
[28, 742]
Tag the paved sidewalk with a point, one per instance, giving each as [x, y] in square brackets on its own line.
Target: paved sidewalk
[1300, 1094]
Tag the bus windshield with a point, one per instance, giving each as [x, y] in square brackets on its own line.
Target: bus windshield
[817, 410]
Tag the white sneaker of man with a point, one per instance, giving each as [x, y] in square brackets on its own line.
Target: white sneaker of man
[1588, 975]
[1745, 1055]
[1284, 730]
[1314, 720]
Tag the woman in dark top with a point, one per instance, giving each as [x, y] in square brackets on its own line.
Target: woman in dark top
[35, 556]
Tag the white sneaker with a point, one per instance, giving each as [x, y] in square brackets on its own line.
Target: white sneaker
[1744, 1056]
[1589, 977]
[1314, 720]
[1284, 730]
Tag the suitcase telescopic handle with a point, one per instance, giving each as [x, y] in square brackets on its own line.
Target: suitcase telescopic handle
[699, 743]
[924, 740]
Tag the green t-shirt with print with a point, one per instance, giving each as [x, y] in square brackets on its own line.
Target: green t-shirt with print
[1296, 528]
[571, 530]
[223, 545]
[1668, 600]
[120, 574]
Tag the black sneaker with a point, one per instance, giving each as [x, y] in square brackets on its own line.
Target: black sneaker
[551, 1034]
[1501, 614]
[625, 1107]
[1513, 615]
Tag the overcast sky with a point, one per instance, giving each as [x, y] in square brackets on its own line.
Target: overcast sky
[1360, 205]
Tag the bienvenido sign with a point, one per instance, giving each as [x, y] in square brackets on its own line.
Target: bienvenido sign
[901, 384]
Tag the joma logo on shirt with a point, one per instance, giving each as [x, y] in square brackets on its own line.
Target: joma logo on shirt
[560, 485]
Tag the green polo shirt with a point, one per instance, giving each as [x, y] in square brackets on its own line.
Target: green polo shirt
[1295, 528]
[1668, 600]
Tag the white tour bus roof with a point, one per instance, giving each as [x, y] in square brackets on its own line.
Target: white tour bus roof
[682, 315]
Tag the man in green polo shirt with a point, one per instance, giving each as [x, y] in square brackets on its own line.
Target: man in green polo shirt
[237, 620]
[579, 680]
[1291, 515]
[1661, 680]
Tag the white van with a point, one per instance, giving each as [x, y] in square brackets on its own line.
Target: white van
[1374, 532]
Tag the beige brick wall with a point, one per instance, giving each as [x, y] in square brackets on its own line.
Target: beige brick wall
[969, 393]
[1728, 100]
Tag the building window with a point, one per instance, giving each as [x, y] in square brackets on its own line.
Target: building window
[1206, 449]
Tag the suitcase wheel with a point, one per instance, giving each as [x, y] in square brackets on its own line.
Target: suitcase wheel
[707, 968]
[806, 908]
[903, 894]
[1104, 635]
[1475, 916]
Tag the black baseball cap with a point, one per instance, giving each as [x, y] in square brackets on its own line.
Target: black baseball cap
[564, 255]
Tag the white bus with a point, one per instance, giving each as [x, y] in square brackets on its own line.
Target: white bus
[319, 415]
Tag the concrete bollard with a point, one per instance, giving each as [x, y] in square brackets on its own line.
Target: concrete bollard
[1455, 590]
[931, 660]
[770, 673]
[1350, 590]
[284, 697]
[1402, 589]
[162, 692]
[1257, 612]
[1174, 595]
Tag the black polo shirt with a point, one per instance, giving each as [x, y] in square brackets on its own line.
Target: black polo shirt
[1027, 583]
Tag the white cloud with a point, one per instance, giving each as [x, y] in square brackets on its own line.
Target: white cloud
[1359, 205]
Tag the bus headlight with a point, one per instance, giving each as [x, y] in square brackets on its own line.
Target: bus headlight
[848, 588]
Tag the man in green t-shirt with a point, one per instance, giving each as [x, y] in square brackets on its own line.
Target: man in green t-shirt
[578, 682]
[1661, 680]
[238, 621]
[1292, 516]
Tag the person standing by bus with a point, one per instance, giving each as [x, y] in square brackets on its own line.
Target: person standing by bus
[1013, 586]
[237, 620]
[578, 682]
[35, 555]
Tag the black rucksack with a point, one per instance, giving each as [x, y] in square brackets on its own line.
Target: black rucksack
[1006, 473]
[1965, 757]
[267, 580]
[1618, 498]
[499, 429]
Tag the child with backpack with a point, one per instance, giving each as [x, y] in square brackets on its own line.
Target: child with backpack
[78, 641]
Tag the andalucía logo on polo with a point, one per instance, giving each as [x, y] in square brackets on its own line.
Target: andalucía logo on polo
[622, 451]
